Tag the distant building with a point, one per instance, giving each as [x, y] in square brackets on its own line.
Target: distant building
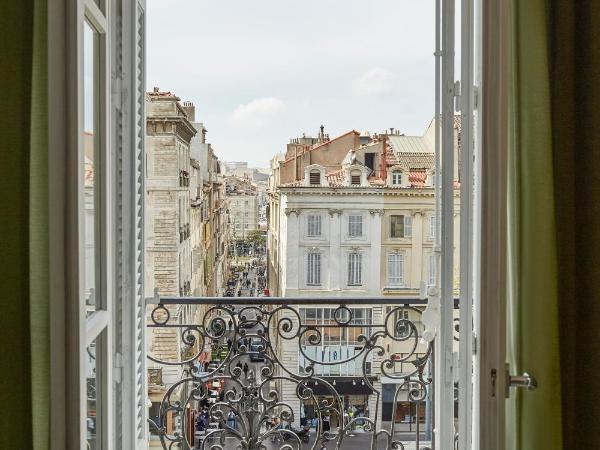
[186, 227]
[348, 217]
[242, 196]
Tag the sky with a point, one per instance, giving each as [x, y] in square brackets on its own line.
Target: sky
[264, 71]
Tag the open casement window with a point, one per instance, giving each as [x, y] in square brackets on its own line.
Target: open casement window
[102, 72]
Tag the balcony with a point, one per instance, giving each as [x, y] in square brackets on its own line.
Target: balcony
[329, 372]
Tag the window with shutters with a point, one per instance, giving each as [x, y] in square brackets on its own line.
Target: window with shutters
[313, 225]
[400, 226]
[355, 226]
[432, 227]
[395, 269]
[355, 178]
[313, 269]
[315, 177]
[354, 269]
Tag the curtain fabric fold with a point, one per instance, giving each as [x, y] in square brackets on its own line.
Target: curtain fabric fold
[24, 322]
[554, 308]
[535, 417]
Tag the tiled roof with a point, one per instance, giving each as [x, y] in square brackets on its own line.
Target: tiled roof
[335, 178]
[416, 160]
[417, 178]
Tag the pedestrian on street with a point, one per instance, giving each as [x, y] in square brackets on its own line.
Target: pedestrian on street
[326, 422]
[229, 343]
[231, 420]
[246, 368]
[230, 323]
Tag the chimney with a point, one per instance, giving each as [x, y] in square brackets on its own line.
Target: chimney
[190, 111]
[392, 130]
[156, 90]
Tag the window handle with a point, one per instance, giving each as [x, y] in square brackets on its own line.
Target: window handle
[525, 380]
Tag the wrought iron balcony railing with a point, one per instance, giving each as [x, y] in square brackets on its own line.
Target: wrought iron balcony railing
[292, 373]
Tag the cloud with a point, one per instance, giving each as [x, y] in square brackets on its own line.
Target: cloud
[376, 81]
[256, 114]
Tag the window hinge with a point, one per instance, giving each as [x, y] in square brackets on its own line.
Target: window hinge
[118, 368]
[474, 344]
[457, 95]
[519, 381]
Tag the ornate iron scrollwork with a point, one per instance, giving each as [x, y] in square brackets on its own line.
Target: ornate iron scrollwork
[233, 366]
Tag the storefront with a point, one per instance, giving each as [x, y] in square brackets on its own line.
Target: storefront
[353, 392]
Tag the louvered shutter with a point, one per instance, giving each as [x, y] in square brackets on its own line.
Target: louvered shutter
[130, 122]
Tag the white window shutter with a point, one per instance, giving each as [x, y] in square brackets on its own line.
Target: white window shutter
[407, 226]
[130, 405]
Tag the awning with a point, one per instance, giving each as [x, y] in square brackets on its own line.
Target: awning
[343, 386]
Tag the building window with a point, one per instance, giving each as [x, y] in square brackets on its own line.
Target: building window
[313, 269]
[432, 227]
[354, 269]
[400, 226]
[432, 270]
[397, 178]
[315, 177]
[314, 225]
[395, 269]
[355, 178]
[355, 226]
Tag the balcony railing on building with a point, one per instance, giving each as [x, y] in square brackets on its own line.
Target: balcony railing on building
[281, 372]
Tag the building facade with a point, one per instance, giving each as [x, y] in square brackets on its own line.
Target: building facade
[186, 229]
[351, 217]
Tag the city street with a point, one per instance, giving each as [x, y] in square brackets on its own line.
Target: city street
[359, 441]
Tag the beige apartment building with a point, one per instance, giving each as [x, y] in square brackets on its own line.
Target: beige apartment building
[348, 217]
[186, 227]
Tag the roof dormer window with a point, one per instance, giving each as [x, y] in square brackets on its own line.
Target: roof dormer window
[355, 178]
[396, 178]
[315, 178]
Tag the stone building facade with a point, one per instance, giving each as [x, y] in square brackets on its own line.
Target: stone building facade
[355, 219]
[186, 226]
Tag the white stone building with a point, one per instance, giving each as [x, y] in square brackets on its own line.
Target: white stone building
[359, 223]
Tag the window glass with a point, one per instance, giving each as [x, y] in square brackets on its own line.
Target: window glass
[355, 226]
[397, 226]
[313, 273]
[397, 178]
[354, 269]
[395, 269]
[314, 225]
[90, 168]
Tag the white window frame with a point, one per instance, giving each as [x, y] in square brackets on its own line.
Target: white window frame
[355, 227]
[314, 268]
[397, 178]
[397, 279]
[120, 173]
[317, 225]
[355, 269]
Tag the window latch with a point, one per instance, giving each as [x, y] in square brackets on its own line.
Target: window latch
[525, 380]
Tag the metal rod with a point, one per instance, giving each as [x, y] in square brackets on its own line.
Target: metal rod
[261, 301]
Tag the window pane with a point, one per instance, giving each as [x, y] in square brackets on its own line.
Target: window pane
[397, 226]
[90, 168]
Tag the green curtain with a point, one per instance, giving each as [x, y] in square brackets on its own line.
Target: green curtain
[574, 43]
[24, 322]
[535, 422]
[554, 306]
